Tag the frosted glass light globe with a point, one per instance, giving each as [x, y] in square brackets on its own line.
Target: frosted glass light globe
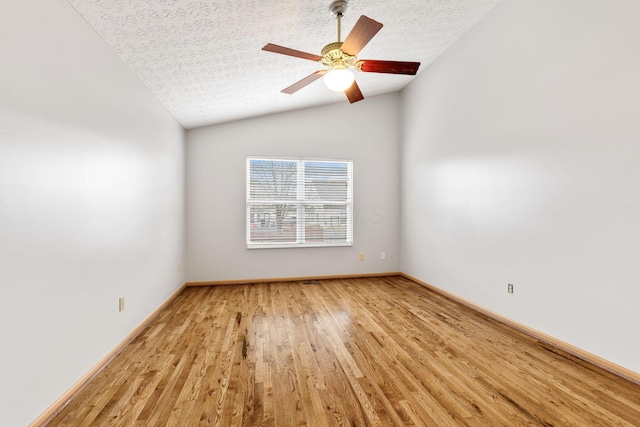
[339, 79]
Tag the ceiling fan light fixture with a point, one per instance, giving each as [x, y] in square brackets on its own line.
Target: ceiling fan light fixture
[339, 79]
[340, 58]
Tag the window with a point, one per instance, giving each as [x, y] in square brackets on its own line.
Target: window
[299, 202]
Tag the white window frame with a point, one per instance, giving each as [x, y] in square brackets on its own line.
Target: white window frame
[300, 203]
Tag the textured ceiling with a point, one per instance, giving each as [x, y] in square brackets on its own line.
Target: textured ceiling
[203, 59]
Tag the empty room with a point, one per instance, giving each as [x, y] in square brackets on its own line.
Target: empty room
[273, 213]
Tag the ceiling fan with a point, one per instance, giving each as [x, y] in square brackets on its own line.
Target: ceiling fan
[340, 56]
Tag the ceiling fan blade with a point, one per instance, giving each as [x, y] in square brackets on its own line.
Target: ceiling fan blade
[360, 35]
[353, 93]
[304, 82]
[389, 67]
[270, 47]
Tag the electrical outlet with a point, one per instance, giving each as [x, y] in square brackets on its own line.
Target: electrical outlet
[383, 255]
[361, 257]
[510, 288]
[121, 304]
[179, 266]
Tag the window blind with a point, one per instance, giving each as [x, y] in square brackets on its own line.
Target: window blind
[299, 202]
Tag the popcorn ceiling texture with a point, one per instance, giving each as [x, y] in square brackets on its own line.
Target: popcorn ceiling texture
[203, 59]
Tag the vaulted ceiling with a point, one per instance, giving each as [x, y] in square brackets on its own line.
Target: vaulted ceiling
[203, 59]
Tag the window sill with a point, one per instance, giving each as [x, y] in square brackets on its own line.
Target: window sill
[296, 245]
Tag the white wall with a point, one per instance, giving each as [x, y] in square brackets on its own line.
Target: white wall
[520, 165]
[91, 203]
[366, 132]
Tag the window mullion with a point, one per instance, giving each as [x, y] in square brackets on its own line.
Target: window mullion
[300, 196]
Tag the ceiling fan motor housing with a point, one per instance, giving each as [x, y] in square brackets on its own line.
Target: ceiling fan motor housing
[334, 58]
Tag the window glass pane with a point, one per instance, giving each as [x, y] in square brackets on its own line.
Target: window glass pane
[272, 180]
[272, 223]
[326, 181]
[326, 222]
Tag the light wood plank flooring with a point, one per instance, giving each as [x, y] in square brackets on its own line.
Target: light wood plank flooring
[357, 352]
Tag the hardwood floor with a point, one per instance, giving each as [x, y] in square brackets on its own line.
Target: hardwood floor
[356, 352]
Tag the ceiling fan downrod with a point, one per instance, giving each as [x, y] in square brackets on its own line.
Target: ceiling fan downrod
[337, 9]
